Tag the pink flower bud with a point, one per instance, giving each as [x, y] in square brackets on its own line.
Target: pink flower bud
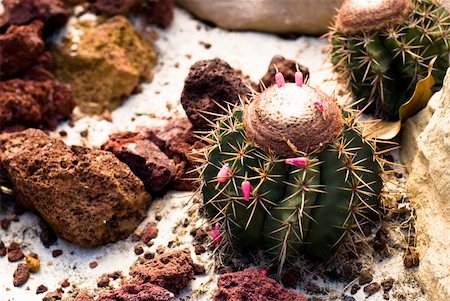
[300, 161]
[224, 173]
[279, 80]
[319, 105]
[265, 272]
[246, 187]
[215, 234]
[299, 79]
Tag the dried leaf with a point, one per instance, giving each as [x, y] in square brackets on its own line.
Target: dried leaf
[386, 130]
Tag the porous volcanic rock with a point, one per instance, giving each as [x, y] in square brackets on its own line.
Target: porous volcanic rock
[159, 12]
[34, 103]
[138, 292]
[426, 152]
[286, 67]
[176, 140]
[209, 85]
[144, 158]
[299, 16]
[20, 48]
[87, 196]
[252, 285]
[54, 13]
[106, 64]
[172, 270]
[114, 7]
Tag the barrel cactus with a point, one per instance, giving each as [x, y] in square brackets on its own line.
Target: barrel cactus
[288, 174]
[383, 49]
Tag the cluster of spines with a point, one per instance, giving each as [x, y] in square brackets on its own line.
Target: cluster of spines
[383, 67]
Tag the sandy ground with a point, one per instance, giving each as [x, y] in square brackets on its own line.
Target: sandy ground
[179, 47]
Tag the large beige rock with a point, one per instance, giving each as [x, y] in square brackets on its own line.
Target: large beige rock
[278, 16]
[426, 151]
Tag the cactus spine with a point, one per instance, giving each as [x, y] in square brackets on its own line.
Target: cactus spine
[383, 48]
[288, 175]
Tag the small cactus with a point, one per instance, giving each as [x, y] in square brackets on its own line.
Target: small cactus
[383, 48]
[287, 174]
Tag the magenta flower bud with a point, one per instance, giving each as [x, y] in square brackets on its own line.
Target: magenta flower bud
[279, 80]
[299, 79]
[265, 272]
[224, 173]
[246, 188]
[300, 161]
[215, 234]
[319, 105]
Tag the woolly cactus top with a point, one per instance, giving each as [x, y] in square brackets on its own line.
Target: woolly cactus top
[365, 16]
[292, 118]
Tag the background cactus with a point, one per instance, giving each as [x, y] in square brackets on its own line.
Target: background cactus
[288, 175]
[383, 48]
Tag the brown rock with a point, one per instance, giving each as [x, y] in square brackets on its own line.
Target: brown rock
[21, 47]
[138, 292]
[411, 258]
[52, 12]
[53, 296]
[365, 277]
[34, 103]
[93, 264]
[57, 253]
[41, 289]
[172, 270]
[66, 183]
[209, 85]
[387, 284]
[286, 67]
[21, 275]
[159, 12]
[15, 255]
[144, 158]
[252, 285]
[103, 281]
[372, 288]
[150, 231]
[114, 7]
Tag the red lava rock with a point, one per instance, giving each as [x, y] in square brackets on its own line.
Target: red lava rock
[32, 103]
[87, 196]
[286, 67]
[57, 253]
[138, 292]
[93, 264]
[13, 246]
[5, 223]
[52, 12]
[372, 288]
[103, 281]
[114, 7]
[21, 275]
[150, 231]
[159, 12]
[41, 289]
[365, 277]
[210, 85]
[172, 270]
[251, 285]
[15, 255]
[53, 296]
[144, 158]
[83, 297]
[65, 283]
[21, 47]
[176, 140]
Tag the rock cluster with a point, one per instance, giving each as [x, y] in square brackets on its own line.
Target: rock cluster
[426, 152]
[106, 64]
[87, 196]
[142, 292]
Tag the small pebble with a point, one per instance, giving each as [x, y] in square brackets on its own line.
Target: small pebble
[15, 255]
[365, 277]
[41, 289]
[372, 288]
[313, 288]
[138, 250]
[65, 283]
[93, 264]
[355, 288]
[21, 275]
[103, 281]
[34, 264]
[387, 284]
[5, 223]
[57, 253]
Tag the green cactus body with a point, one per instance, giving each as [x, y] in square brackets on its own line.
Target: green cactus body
[383, 65]
[293, 209]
